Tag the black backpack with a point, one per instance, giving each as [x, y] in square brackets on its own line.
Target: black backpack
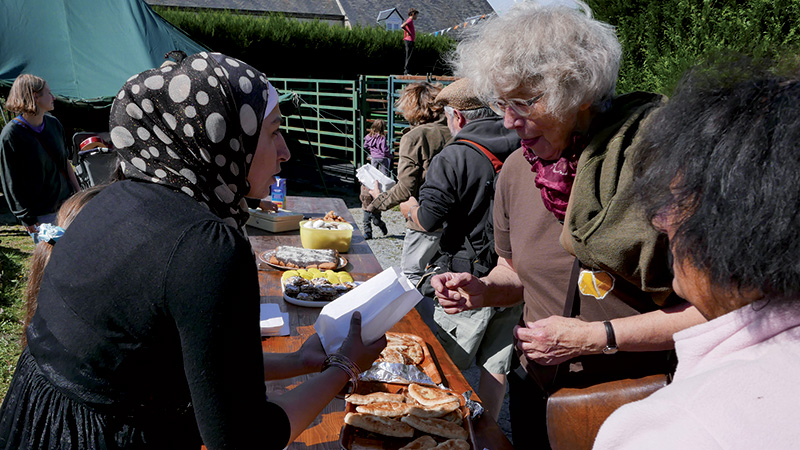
[484, 259]
[477, 261]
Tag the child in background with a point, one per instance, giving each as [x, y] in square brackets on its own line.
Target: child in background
[49, 234]
[376, 144]
[381, 158]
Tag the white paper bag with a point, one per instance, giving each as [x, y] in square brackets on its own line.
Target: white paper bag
[382, 301]
[368, 175]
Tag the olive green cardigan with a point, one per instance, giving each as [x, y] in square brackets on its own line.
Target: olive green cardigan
[606, 229]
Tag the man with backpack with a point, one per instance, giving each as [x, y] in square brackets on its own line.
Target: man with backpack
[457, 196]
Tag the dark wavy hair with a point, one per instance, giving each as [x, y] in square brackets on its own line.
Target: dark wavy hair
[722, 161]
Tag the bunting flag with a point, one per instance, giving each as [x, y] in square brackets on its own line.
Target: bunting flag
[469, 22]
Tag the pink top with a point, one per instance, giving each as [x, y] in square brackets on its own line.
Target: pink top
[409, 33]
[737, 386]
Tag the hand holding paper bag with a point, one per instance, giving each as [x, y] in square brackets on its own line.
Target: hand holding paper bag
[382, 302]
[368, 175]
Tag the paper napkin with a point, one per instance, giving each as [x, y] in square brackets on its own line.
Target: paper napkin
[273, 321]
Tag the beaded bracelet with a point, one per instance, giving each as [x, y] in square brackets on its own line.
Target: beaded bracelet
[347, 365]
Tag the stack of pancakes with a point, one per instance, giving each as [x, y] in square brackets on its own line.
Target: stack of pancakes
[430, 410]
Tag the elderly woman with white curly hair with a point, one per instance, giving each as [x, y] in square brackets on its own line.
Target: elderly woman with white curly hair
[561, 216]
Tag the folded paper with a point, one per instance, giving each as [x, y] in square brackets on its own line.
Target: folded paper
[383, 301]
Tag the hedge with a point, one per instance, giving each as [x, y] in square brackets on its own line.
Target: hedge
[283, 47]
[660, 38]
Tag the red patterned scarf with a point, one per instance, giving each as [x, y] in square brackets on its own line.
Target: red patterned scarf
[554, 178]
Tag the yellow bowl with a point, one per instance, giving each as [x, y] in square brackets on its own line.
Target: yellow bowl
[338, 240]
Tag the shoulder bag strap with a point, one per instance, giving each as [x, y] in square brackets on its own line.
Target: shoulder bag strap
[572, 307]
[496, 165]
[46, 150]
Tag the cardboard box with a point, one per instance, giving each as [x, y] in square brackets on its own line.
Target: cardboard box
[275, 222]
[278, 192]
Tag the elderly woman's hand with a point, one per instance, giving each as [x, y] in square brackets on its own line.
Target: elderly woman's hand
[458, 292]
[557, 339]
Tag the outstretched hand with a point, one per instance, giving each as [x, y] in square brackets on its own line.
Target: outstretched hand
[458, 292]
[354, 347]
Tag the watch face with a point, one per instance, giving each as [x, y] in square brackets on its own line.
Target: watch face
[609, 350]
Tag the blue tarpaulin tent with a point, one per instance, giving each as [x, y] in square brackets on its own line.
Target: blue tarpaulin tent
[85, 49]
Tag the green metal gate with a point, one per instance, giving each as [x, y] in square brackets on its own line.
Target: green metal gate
[332, 116]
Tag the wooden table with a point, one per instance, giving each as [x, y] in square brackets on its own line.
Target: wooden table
[324, 432]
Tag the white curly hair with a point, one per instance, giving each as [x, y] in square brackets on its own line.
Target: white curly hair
[554, 49]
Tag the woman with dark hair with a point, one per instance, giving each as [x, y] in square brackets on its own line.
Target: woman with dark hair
[146, 333]
[420, 143]
[35, 168]
[718, 173]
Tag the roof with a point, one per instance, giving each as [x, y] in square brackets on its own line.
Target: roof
[302, 8]
[434, 15]
[385, 14]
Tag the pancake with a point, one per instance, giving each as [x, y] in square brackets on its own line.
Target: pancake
[443, 409]
[421, 443]
[380, 425]
[385, 409]
[430, 396]
[375, 397]
[439, 427]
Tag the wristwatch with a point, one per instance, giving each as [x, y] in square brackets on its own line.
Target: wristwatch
[611, 343]
[408, 215]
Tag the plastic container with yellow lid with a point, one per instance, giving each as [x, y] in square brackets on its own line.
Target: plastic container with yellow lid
[337, 239]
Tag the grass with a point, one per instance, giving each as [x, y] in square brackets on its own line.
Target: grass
[16, 248]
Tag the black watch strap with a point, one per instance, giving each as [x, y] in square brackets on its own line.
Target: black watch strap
[611, 339]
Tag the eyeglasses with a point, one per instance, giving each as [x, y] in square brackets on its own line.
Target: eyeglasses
[519, 106]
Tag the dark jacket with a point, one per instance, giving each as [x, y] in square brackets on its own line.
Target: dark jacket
[418, 146]
[32, 182]
[458, 187]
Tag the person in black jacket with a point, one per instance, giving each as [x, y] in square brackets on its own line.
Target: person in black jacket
[457, 195]
[35, 171]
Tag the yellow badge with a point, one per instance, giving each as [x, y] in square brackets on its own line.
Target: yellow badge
[595, 283]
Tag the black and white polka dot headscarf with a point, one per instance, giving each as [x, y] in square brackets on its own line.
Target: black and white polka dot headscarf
[193, 126]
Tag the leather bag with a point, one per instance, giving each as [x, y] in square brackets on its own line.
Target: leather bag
[575, 414]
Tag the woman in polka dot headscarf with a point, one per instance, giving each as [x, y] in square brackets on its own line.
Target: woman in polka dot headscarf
[146, 333]
[194, 129]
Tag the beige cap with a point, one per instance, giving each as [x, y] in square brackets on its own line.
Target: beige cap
[459, 95]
